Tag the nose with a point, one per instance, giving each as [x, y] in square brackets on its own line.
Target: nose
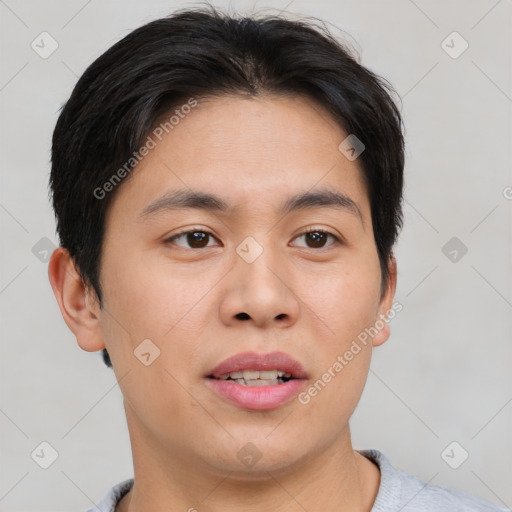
[259, 291]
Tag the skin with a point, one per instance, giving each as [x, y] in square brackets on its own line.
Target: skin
[253, 152]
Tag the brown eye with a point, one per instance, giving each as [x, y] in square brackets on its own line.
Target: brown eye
[195, 239]
[316, 238]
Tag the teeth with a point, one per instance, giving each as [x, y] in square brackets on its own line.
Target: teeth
[255, 374]
[268, 374]
[257, 382]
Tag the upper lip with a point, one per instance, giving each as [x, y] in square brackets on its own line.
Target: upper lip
[254, 361]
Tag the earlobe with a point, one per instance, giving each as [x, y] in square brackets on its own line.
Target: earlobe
[79, 309]
[385, 305]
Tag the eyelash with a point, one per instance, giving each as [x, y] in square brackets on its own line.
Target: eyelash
[309, 230]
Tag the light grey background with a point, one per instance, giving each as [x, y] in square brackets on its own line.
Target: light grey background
[445, 373]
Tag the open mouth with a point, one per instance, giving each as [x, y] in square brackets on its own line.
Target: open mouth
[255, 378]
[277, 379]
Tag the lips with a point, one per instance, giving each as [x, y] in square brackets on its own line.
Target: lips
[257, 394]
[259, 362]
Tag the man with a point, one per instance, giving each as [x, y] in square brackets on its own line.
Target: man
[228, 194]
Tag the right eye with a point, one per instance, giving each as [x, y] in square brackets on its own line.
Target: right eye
[196, 238]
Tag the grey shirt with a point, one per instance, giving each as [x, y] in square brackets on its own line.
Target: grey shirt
[398, 491]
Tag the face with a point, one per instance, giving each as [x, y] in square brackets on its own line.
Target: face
[247, 278]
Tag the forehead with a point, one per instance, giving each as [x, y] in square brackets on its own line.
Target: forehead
[278, 152]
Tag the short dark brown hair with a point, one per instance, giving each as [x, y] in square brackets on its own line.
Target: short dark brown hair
[204, 52]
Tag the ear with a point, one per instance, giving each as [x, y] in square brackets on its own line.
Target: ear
[385, 305]
[79, 307]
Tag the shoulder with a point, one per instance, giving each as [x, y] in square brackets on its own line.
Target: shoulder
[110, 500]
[419, 495]
[402, 491]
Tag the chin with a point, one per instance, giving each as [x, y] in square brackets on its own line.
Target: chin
[248, 460]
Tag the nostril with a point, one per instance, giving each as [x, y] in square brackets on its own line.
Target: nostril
[242, 316]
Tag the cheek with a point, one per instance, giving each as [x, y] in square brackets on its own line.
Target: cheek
[165, 303]
[153, 298]
[143, 303]
[343, 356]
[345, 300]
[159, 400]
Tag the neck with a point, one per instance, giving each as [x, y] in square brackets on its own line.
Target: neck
[339, 479]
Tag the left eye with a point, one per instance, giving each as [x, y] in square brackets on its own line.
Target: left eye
[198, 239]
[318, 237]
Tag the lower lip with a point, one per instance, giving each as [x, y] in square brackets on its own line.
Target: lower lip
[262, 398]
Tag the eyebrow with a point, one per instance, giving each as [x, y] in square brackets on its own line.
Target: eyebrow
[188, 199]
